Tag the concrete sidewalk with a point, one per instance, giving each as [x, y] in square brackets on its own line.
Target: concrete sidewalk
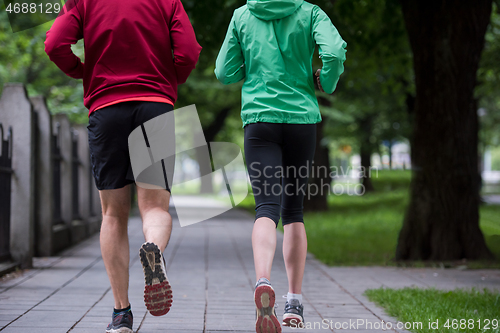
[210, 267]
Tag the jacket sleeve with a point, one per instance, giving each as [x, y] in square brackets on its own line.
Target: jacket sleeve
[331, 50]
[65, 31]
[230, 63]
[185, 47]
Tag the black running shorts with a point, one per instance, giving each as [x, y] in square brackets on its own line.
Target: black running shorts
[109, 129]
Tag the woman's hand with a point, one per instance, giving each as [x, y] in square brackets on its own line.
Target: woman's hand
[318, 72]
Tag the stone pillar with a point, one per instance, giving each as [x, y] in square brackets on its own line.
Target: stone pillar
[89, 195]
[44, 206]
[16, 111]
[79, 229]
[62, 232]
[96, 208]
[95, 215]
[65, 144]
[83, 172]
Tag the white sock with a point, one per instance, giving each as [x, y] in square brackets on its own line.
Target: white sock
[291, 296]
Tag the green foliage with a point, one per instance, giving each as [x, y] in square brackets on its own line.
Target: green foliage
[363, 230]
[488, 89]
[210, 20]
[377, 83]
[377, 51]
[378, 77]
[23, 59]
[490, 226]
[495, 159]
[389, 180]
[357, 230]
[414, 305]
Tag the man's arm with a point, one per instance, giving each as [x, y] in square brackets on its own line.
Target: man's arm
[184, 45]
[229, 67]
[331, 50]
[65, 31]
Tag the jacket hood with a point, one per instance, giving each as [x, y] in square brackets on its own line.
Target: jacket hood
[273, 9]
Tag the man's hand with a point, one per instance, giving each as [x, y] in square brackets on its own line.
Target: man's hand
[318, 72]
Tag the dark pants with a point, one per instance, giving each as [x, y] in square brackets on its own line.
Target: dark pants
[279, 157]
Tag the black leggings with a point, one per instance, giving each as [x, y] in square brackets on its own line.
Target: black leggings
[278, 158]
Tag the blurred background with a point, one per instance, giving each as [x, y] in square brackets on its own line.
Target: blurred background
[388, 115]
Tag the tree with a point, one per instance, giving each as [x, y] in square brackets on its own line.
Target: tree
[488, 90]
[442, 219]
[321, 175]
[23, 59]
[377, 78]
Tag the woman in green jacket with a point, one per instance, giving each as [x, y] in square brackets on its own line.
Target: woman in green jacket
[270, 45]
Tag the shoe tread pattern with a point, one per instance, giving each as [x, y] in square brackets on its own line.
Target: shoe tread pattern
[157, 290]
[266, 322]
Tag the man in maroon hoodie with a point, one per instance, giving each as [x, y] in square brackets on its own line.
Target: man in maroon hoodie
[136, 53]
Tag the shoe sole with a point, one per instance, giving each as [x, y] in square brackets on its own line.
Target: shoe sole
[266, 318]
[120, 330]
[291, 320]
[157, 290]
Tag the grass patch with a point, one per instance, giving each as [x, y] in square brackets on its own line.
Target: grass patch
[363, 230]
[357, 230]
[389, 180]
[490, 225]
[414, 305]
[248, 203]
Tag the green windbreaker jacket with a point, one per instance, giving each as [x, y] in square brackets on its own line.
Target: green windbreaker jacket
[270, 45]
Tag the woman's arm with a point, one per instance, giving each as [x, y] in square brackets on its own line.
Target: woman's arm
[331, 50]
[230, 64]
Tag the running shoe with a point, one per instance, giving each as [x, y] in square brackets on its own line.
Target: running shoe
[294, 314]
[121, 322]
[157, 290]
[264, 296]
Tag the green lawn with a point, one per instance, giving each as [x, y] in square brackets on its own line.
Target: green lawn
[357, 230]
[449, 311]
[364, 230]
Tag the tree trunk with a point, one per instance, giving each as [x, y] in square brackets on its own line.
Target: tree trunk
[319, 180]
[205, 165]
[442, 219]
[366, 150]
[202, 156]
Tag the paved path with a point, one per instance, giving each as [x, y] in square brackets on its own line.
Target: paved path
[492, 199]
[210, 267]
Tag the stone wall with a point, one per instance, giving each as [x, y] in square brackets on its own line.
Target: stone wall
[35, 183]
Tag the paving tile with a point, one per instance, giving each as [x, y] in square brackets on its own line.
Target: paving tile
[212, 289]
[11, 329]
[48, 319]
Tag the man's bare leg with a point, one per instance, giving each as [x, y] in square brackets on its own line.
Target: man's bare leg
[157, 227]
[114, 241]
[156, 220]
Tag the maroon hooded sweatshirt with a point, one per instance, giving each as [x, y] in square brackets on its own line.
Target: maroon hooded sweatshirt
[133, 48]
